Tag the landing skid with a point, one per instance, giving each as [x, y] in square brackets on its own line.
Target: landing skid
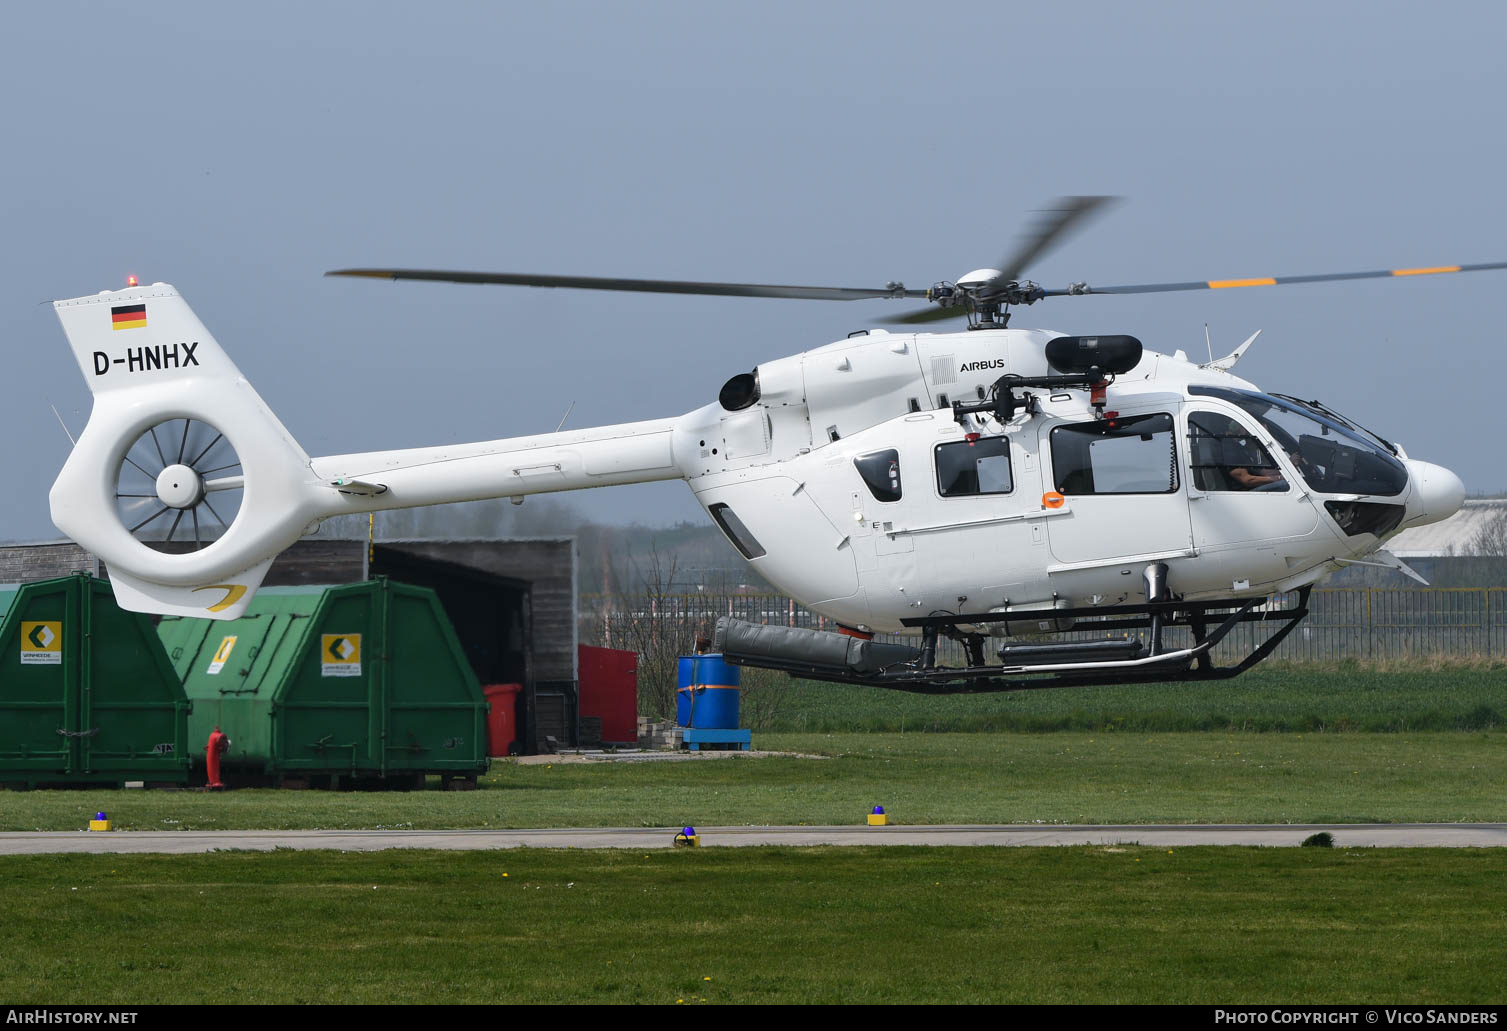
[1119, 659]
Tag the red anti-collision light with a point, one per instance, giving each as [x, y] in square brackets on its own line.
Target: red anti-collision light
[971, 438]
[130, 281]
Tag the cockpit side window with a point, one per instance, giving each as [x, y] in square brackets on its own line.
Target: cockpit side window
[1226, 456]
[747, 544]
[880, 471]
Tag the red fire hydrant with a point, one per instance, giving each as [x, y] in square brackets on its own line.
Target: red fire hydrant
[218, 745]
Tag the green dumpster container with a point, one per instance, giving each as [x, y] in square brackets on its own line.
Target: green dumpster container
[87, 695]
[363, 684]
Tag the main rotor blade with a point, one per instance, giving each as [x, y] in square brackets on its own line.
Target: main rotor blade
[1049, 228]
[651, 286]
[1077, 289]
[920, 316]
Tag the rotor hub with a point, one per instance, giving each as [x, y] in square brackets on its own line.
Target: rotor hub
[178, 486]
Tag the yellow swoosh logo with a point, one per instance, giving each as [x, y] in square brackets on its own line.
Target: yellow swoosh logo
[233, 593]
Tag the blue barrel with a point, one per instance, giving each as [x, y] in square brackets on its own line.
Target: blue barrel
[707, 698]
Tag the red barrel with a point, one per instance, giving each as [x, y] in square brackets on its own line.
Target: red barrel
[502, 721]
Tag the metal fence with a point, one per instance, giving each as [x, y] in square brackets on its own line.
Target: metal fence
[1365, 624]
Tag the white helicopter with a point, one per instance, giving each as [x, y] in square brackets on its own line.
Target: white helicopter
[991, 482]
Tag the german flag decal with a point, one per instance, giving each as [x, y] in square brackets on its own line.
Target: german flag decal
[129, 316]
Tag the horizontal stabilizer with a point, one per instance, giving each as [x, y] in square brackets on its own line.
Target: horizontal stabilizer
[360, 488]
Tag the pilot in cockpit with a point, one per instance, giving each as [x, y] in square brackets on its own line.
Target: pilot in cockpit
[1252, 477]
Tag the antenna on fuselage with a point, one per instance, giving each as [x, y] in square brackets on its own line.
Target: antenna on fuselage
[1227, 363]
[63, 424]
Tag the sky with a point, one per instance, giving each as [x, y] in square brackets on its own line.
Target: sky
[240, 151]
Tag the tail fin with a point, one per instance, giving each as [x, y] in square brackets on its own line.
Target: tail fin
[180, 450]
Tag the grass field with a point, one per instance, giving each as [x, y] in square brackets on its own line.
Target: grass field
[897, 924]
[1067, 777]
[1270, 698]
[1106, 925]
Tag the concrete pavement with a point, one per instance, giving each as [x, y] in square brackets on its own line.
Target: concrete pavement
[1404, 835]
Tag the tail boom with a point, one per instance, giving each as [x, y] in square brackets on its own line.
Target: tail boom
[639, 452]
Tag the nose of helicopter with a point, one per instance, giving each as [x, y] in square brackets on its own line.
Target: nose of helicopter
[1437, 493]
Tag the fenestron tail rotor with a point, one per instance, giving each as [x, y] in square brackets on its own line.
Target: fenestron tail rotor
[180, 481]
[184, 482]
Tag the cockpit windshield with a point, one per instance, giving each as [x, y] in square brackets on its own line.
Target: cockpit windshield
[1331, 455]
[1319, 408]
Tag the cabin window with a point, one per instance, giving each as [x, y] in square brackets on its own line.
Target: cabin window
[881, 473]
[968, 468]
[1226, 456]
[1134, 455]
[747, 544]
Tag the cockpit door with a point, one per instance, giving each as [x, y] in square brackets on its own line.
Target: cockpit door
[1238, 492]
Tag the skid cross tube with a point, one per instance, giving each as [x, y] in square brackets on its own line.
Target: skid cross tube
[1166, 608]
